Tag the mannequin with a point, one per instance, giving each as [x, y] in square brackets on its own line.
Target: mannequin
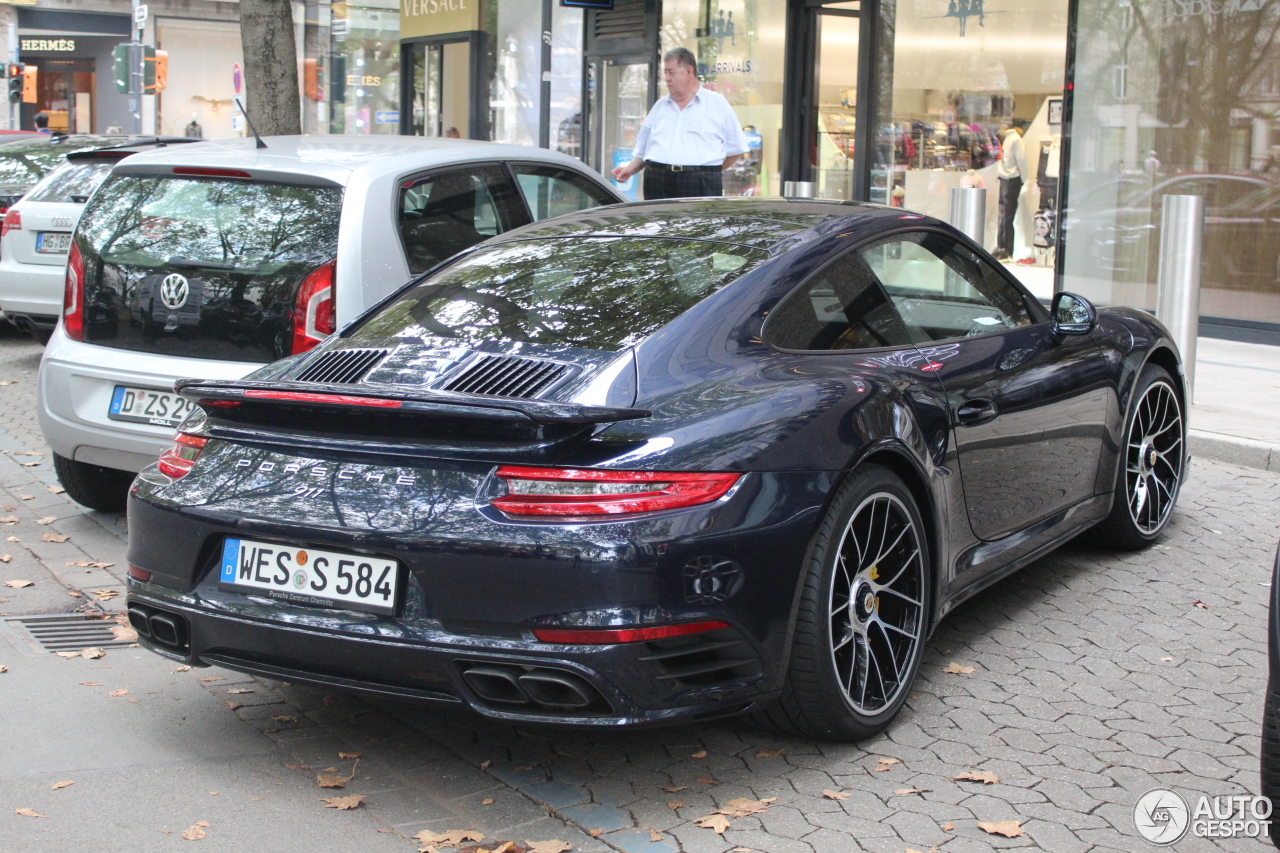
[1012, 170]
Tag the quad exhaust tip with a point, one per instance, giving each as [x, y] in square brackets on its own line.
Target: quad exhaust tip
[544, 688]
[163, 629]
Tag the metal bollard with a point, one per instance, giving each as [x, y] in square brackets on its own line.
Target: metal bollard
[1178, 277]
[969, 212]
[799, 189]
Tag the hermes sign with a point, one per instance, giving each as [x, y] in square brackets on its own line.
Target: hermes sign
[437, 17]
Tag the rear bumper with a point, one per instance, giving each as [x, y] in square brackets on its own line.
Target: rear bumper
[33, 289]
[75, 388]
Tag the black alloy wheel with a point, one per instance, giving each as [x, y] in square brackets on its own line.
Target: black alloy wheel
[1155, 451]
[863, 614]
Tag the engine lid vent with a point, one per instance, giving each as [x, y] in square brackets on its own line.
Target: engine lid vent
[507, 376]
[342, 366]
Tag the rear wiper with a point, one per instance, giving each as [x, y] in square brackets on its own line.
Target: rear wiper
[190, 264]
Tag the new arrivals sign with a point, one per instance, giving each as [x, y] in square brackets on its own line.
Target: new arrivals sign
[438, 17]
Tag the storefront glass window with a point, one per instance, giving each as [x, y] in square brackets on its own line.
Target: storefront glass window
[956, 75]
[1176, 99]
[515, 27]
[566, 80]
[362, 74]
[740, 46]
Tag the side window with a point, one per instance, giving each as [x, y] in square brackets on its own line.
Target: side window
[551, 191]
[840, 308]
[443, 214]
[942, 290]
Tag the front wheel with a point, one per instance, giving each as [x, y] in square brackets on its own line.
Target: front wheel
[860, 629]
[103, 489]
[1151, 469]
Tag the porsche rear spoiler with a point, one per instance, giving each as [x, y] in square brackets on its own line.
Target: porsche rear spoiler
[220, 398]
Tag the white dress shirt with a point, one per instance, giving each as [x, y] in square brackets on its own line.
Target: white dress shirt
[1013, 157]
[704, 133]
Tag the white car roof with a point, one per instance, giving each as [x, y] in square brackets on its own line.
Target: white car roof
[338, 159]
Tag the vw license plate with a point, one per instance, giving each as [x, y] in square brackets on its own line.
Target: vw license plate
[147, 406]
[308, 576]
[53, 242]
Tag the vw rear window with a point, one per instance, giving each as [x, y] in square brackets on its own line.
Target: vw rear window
[599, 293]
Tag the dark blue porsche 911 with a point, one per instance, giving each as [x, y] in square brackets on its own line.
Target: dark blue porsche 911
[656, 462]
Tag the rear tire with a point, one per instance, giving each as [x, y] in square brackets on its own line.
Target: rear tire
[103, 489]
[860, 629]
[1151, 467]
[1270, 757]
[42, 336]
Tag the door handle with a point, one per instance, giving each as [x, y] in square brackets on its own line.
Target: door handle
[974, 412]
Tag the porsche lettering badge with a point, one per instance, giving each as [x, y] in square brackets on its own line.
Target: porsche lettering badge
[319, 471]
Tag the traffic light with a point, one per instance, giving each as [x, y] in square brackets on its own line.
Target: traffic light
[15, 83]
[153, 80]
[311, 79]
[120, 67]
[29, 84]
[337, 78]
[162, 69]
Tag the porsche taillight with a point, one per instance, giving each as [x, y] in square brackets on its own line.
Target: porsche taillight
[313, 309]
[586, 492]
[177, 460]
[73, 295]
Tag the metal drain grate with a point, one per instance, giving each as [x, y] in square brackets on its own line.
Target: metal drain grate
[67, 632]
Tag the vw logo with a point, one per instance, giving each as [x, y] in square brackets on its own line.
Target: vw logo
[174, 291]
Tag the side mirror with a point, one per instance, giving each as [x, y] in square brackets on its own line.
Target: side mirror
[1072, 314]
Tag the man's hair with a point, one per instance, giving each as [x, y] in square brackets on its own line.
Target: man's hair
[42, 119]
[682, 56]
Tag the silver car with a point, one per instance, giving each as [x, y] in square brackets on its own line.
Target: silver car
[212, 259]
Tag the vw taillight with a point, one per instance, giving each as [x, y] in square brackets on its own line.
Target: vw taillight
[73, 295]
[12, 222]
[313, 308]
[586, 492]
[177, 460]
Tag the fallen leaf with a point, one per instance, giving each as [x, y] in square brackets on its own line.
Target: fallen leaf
[209, 678]
[488, 801]
[948, 827]
[717, 821]
[104, 594]
[595, 833]
[887, 761]
[1198, 602]
[193, 833]
[239, 690]
[984, 776]
[329, 770]
[28, 813]
[123, 632]
[484, 765]
[956, 669]
[183, 668]
[522, 768]
[1166, 659]
[57, 490]
[655, 836]
[49, 536]
[452, 838]
[11, 519]
[504, 847]
[555, 845]
[296, 766]
[284, 718]
[769, 753]
[332, 780]
[67, 654]
[121, 692]
[741, 807]
[57, 785]
[19, 584]
[213, 793]
[73, 593]
[343, 804]
[92, 654]
[6, 558]
[48, 519]
[902, 792]
[3, 668]
[675, 804]
[673, 789]
[1007, 828]
[12, 539]
[835, 795]
[347, 756]
[26, 464]
[135, 701]
[705, 780]
[232, 705]
[702, 753]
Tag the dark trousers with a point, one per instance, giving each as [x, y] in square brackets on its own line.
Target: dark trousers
[1009, 189]
[661, 182]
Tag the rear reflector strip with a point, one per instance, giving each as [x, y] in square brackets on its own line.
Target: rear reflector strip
[333, 399]
[139, 574]
[607, 636]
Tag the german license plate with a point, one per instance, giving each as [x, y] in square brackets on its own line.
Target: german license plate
[307, 576]
[148, 406]
[53, 242]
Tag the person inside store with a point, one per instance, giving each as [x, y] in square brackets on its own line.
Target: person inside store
[42, 122]
[689, 137]
[1012, 170]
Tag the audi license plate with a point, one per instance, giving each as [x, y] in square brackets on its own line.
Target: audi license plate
[53, 242]
[147, 406]
[308, 576]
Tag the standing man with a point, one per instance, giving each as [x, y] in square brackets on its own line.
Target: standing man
[689, 137]
[1012, 170]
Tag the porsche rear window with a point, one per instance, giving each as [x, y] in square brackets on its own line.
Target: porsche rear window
[597, 292]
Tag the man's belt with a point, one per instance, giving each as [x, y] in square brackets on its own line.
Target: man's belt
[666, 167]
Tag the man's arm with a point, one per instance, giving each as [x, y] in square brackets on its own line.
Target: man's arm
[729, 161]
[735, 138]
[623, 173]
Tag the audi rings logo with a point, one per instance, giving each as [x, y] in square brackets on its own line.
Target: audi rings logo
[174, 291]
[1161, 816]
